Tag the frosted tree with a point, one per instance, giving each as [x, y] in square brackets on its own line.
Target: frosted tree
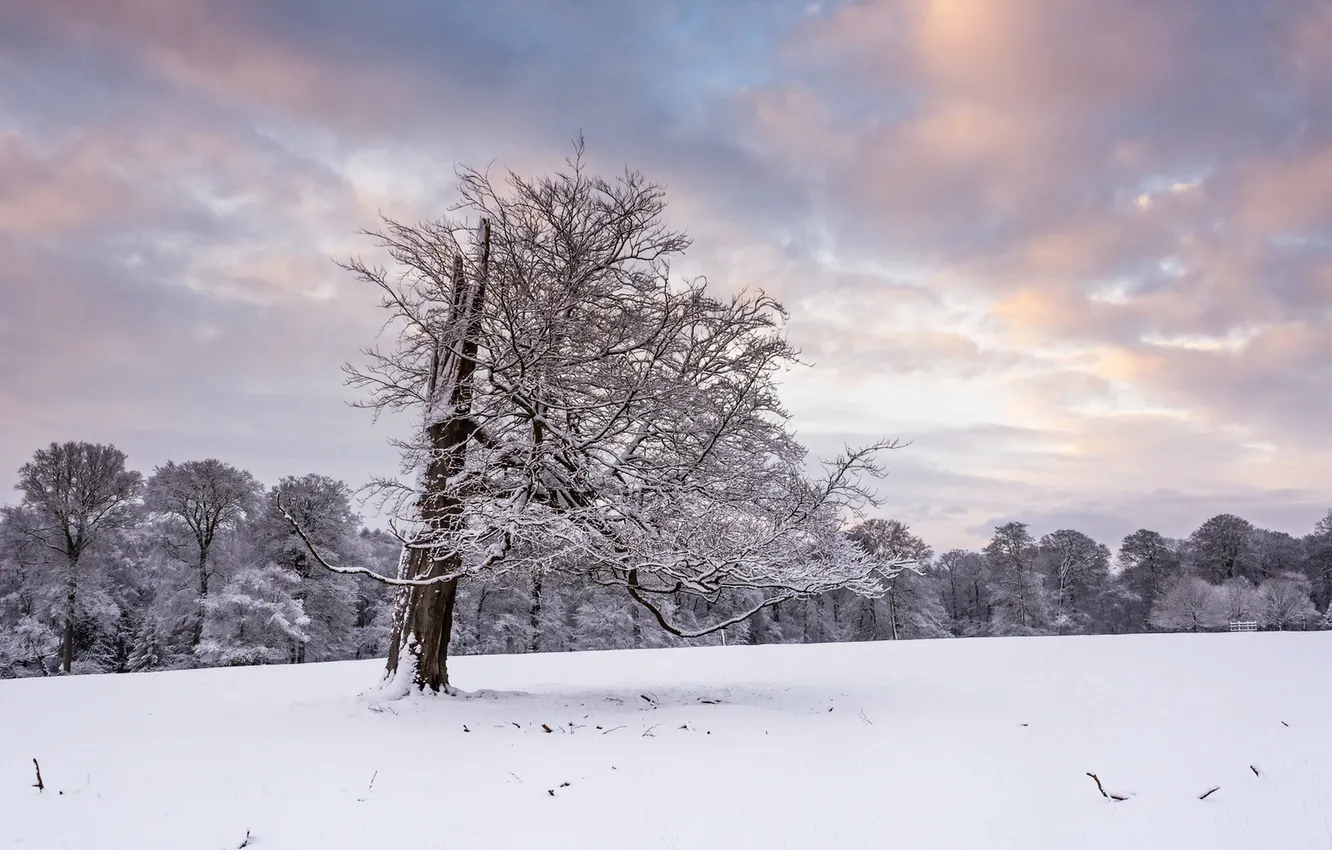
[1077, 569]
[321, 507]
[964, 586]
[1285, 601]
[254, 618]
[1237, 600]
[1147, 562]
[907, 598]
[1021, 604]
[207, 497]
[580, 405]
[74, 494]
[1189, 604]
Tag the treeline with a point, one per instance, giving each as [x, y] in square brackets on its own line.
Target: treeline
[103, 569]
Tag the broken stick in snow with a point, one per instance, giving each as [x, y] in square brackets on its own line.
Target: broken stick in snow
[39, 785]
[1209, 793]
[1116, 797]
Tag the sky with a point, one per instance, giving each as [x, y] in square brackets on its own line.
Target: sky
[1076, 252]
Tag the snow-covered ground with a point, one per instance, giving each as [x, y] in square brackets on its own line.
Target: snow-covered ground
[978, 744]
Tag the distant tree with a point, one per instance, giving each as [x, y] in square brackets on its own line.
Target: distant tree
[1077, 569]
[1237, 600]
[1275, 553]
[964, 586]
[578, 403]
[1221, 549]
[207, 497]
[1021, 605]
[254, 618]
[321, 506]
[892, 543]
[1318, 561]
[1189, 604]
[1147, 562]
[74, 494]
[1285, 601]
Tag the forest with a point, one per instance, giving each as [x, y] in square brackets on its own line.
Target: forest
[105, 569]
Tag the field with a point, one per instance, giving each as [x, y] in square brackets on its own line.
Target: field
[925, 744]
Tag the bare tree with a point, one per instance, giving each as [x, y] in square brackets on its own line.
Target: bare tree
[1221, 549]
[74, 494]
[1148, 562]
[892, 542]
[1188, 604]
[1237, 600]
[1077, 568]
[208, 496]
[1021, 604]
[1286, 601]
[584, 411]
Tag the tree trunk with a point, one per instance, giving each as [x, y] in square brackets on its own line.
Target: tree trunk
[478, 633]
[534, 614]
[423, 621]
[71, 595]
[197, 636]
[892, 611]
[426, 623]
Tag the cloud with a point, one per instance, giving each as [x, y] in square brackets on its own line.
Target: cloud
[1079, 250]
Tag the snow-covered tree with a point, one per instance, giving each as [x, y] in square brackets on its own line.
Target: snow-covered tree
[322, 509]
[1237, 600]
[1021, 603]
[254, 619]
[1189, 604]
[581, 405]
[74, 494]
[28, 647]
[1076, 569]
[964, 586]
[1285, 601]
[207, 497]
[1148, 562]
[910, 600]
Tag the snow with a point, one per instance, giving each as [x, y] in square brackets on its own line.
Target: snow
[922, 744]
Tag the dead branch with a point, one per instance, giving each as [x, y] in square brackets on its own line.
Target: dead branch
[39, 785]
[245, 843]
[1116, 797]
[1255, 770]
[1207, 794]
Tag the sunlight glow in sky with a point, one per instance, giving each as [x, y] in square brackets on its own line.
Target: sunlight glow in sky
[1078, 252]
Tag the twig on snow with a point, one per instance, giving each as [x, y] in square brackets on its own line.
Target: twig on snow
[39, 784]
[1207, 794]
[1255, 770]
[1116, 797]
[612, 729]
[371, 787]
[245, 843]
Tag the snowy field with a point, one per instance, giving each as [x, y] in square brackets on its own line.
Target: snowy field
[977, 744]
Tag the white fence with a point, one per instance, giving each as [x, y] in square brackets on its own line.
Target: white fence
[1243, 625]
